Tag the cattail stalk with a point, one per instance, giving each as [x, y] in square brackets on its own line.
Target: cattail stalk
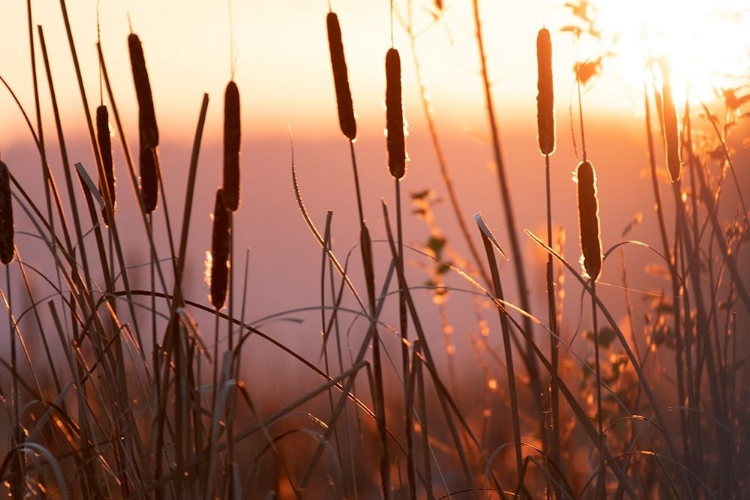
[6, 216]
[545, 116]
[149, 171]
[545, 101]
[149, 132]
[147, 121]
[231, 182]
[340, 78]
[588, 219]
[394, 115]
[104, 140]
[219, 252]
[671, 128]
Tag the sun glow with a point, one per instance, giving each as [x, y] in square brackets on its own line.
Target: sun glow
[706, 44]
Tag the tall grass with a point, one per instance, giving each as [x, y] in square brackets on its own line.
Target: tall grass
[115, 388]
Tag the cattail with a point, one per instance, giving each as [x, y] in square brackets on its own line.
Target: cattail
[149, 164]
[545, 100]
[671, 129]
[394, 115]
[6, 216]
[231, 184]
[104, 140]
[147, 122]
[219, 252]
[340, 78]
[588, 219]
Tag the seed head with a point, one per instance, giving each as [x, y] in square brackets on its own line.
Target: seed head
[341, 78]
[394, 115]
[588, 219]
[231, 184]
[545, 101]
[6, 216]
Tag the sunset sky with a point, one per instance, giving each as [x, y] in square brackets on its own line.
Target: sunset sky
[283, 72]
[282, 63]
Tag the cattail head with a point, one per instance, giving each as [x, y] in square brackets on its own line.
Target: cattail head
[218, 270]
[588, 220]
[104, 140]
[147, 121]
[671, 128]
[231, 184]
[340, 78]
[545, 101]
[394, 115]
[149, 166]
[6, 216]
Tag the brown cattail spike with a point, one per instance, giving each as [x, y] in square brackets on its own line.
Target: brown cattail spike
[149, 164]
[6, 216]
[588, 220]
[340, 78]
[149, 132]
[219, 252]
[394, 115]
[231, 184]
[671, 128]
[545, 101]
[104, 140]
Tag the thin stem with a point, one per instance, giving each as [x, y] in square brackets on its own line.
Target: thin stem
[510, 220]
[442, 161]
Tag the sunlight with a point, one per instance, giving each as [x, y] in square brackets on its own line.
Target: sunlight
[704, 43]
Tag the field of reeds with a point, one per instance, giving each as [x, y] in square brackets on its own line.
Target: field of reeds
[120, 380]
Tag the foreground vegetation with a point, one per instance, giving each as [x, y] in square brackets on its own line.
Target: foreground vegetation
[113, 390]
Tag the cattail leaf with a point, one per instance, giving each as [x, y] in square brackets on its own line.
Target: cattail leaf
[487, 232]
[219, 252]
[147, 120]
[104, 140]
[347, 120]
[545, 100]
[149, 166]
[232, 139]
[368, 260]
[396, 141]
[588, 219]
[6, 216]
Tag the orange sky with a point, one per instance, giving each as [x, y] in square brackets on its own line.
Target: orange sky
[283, 65]
[283, 71]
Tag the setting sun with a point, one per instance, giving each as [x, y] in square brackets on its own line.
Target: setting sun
[704, 43]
